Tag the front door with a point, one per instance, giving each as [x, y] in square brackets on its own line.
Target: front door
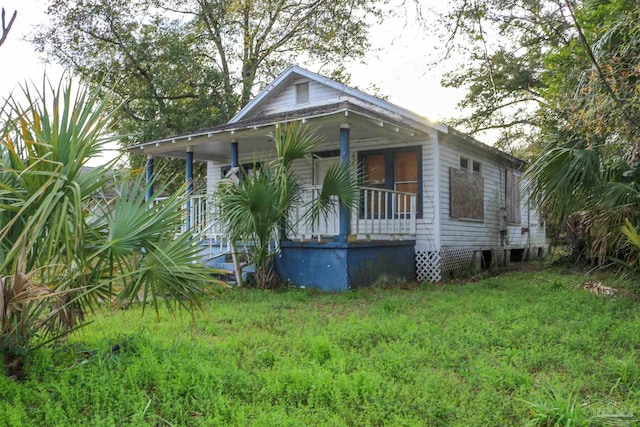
[391, 169]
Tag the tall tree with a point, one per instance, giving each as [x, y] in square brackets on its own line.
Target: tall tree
[191, 64]
[503, 45]
[591, 159]
[258, 38]
[564, 74]
[153, 65]
[194, 63]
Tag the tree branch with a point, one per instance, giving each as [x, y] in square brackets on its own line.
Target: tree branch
[6, 28]
[583, 39]
[504, 125]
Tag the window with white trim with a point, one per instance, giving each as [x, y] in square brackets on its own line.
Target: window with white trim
[465, 164]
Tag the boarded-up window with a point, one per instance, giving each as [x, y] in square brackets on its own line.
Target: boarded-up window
[512, 197]
[406, 168]
[467, 194]
[375, 170]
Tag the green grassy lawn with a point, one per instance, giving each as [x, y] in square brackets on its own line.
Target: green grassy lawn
[517, 348]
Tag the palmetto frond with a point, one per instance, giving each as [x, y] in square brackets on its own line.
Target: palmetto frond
[258, 209]
[78, 252]
[341, 183]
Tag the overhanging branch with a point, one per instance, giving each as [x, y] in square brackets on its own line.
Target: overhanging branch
[6, 27]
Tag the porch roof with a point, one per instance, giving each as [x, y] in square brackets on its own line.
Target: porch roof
[215, 143]
[252, 134]
[368, 116]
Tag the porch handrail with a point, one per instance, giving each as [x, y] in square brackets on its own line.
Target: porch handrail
[386, 212]
[202, 216]
[380, 213]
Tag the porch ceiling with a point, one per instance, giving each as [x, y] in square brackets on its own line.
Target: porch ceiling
[216, 144]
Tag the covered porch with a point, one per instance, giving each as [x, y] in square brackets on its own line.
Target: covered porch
[382, 226]
[380, 215]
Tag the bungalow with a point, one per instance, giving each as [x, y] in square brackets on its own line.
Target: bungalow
[433, 201]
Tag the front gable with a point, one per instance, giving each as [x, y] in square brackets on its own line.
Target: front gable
[296, 94]
[286, 95]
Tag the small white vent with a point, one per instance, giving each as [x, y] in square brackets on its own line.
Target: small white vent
[302, 93]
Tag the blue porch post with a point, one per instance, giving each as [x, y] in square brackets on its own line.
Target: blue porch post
[345, 217]
[234, 154]
[189, 180]
[149, 176]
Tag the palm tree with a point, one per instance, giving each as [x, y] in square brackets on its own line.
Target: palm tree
[257, 209]
[588, 175]
[65, 251]
[590, 189]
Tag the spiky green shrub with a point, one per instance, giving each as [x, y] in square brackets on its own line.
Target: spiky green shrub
[257, 209]
[63, 249]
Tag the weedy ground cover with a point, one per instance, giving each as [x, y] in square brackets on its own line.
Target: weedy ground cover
[520, 348]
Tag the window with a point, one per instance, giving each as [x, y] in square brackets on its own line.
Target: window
[476, 166]
[392, 169]
[464, 164]
[302, 93]
[466, 194]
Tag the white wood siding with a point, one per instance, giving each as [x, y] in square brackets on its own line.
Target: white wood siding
[285, 100]
[469, 233]
[484, 234]
[452, 232]
[214, 173]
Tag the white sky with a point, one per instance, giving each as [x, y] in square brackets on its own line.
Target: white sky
[399, 67]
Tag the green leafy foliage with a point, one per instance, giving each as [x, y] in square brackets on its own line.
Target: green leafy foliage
[67, 246]
[503, 45]
[186, 66]
[257, 210]
[587, 172]
[560, 78]
[178, 67]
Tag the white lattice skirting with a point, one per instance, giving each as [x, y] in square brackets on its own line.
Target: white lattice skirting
[455, 259]
[428, 265]
[433, 265]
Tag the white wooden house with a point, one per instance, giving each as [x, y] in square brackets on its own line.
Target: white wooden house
[448, 200]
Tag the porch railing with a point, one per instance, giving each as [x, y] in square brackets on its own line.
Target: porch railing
[201, 216]
[380, 214]
[386, 212]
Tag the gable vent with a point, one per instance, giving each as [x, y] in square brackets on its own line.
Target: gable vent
[302, 93]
